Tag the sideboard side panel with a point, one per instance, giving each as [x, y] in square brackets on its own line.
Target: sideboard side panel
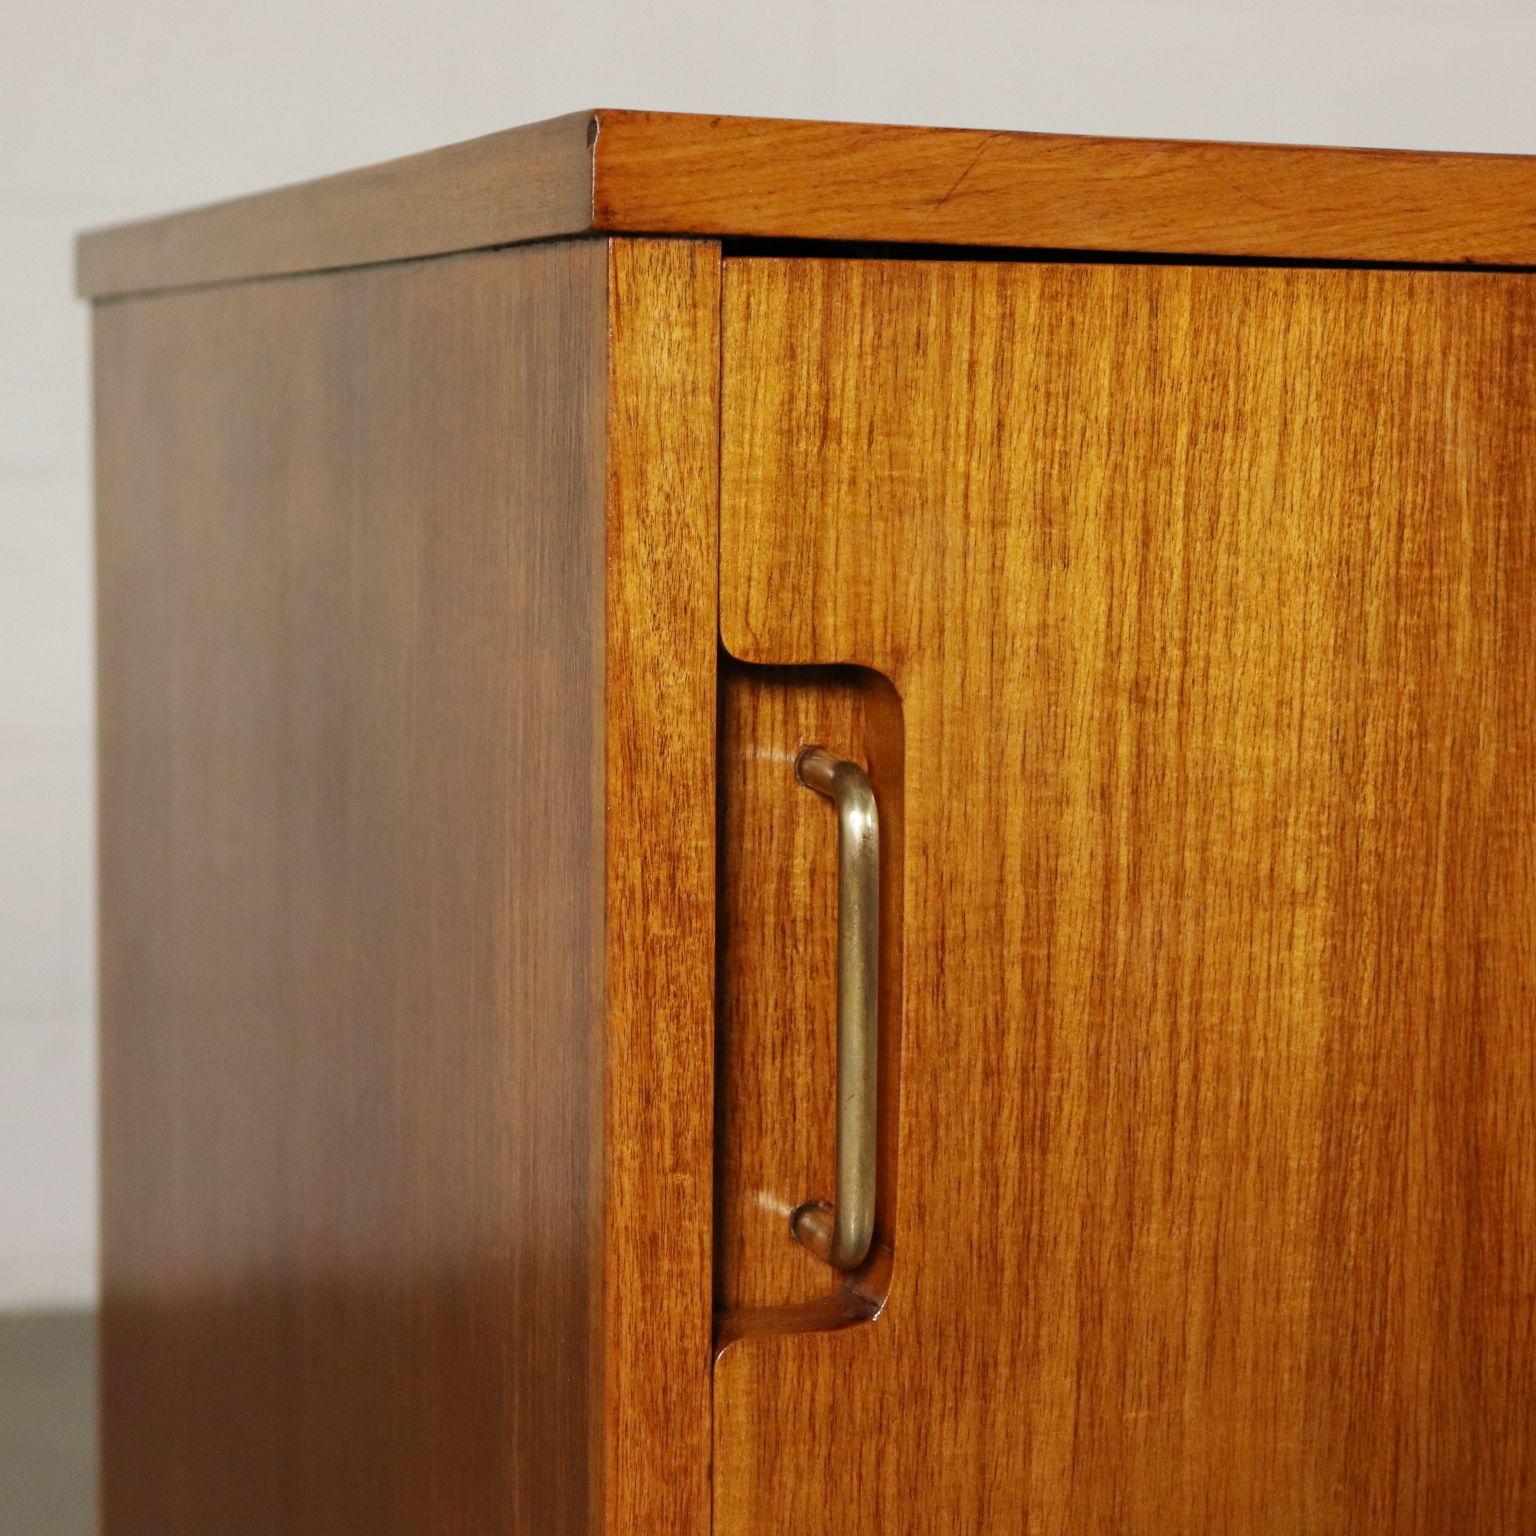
[352, 898]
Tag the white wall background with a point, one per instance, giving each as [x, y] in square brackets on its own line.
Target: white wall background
[109, 111]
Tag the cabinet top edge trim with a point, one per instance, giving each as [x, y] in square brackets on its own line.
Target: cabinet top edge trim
[665, 173]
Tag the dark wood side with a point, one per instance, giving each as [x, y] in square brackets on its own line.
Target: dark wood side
[676, 173]
[379, 1248]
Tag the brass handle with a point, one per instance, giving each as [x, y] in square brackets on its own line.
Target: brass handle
[840, 1233]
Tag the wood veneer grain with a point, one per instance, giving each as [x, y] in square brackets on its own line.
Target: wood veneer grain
[662, 563]
[527, 183]
[1211, 599]
[351, 693]
[780, 178]
[675, 173]
[407, 653]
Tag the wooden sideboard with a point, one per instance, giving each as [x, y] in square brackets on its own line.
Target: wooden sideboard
[504, 1023]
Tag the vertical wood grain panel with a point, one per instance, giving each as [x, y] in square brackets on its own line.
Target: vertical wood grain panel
[1210, 595]
[351, 690]
[662, 646]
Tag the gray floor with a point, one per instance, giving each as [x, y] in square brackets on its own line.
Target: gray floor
[48, 1424]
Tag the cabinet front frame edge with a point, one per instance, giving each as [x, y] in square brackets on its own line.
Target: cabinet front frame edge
[657, 1078]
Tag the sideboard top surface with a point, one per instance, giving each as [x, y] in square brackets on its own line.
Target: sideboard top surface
[667, 173]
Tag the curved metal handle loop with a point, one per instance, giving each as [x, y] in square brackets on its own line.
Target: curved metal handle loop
[841, 1233]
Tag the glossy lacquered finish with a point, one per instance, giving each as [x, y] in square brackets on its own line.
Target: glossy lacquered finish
[1209, 596]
